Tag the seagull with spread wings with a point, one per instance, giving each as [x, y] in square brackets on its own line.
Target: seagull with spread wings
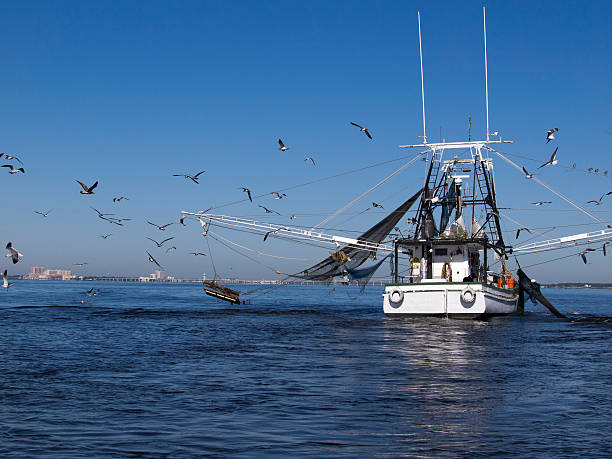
[119, 199]
[552, 161]
[363, 129]
[13, 170]
[247, 191]
[86, 189]
[13, 253]
[539, 203]
[162, 227]
[269, 211]
[153, 260]
[550, 134]
[194, 178]
[598, 202]
[44, 214]
[518, 231]
[309, 158]
[282, 146]
[5, 283]
[159, 244]
[10, 158]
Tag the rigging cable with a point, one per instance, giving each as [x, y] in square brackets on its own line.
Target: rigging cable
[363, 195]
[311, 182]
[566, 199]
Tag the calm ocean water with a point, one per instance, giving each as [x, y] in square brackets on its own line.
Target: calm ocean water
[161, 370]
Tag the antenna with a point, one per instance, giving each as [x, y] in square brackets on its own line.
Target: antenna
[484, 24]
[422, 87]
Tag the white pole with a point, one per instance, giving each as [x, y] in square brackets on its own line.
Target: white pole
[422, 86]
[484, 23]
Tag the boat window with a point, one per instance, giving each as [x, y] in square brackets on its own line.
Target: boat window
[440, 252]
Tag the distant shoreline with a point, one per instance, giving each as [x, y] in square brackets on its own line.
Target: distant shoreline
[564, 285]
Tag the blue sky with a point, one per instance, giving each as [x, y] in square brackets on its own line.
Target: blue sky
[129, 93]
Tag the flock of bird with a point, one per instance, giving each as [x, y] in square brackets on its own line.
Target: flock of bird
[550, 135]
[16, 256]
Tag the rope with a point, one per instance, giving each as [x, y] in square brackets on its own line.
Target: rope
[293, 187]
[239, 253]
[569, 201]
[363, 195]
[211, 256]
[265, 254]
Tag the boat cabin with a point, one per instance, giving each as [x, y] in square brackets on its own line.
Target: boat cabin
[442, 260]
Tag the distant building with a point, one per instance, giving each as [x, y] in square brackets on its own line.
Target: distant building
[156, 276]
[39, 273]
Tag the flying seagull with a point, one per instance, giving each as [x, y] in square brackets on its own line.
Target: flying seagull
[550, 134]
[552, 161]
[598, 203]
[153, 260]
[105, 236]
[9, 158]
[5, 283]
[247, 191]
[518, 231]
[161, 228]
[86, 190]
[279, 195]
[583, 254]
[159, 244]
[120, 199]
[292, 217]
[13, 170]
[81, 264]
[539, 203]
[13, 253]
[268, 211]
[117, 221]
[363, 129]
[270, 232]
[282, 146]
[311, 160]
[44, 214]
[375, 204]
[101, 215]
[194, 178]
[527, 174]
[197, 253]
[169, 249]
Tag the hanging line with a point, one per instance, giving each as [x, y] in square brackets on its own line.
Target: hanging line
[323, 179]
[211, 256]
[363, 195]
[264, 254]
[566, 199]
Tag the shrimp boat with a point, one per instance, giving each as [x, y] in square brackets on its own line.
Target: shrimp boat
[447, 273]
[443, 267]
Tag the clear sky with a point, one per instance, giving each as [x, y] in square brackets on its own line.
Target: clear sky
[128, 93]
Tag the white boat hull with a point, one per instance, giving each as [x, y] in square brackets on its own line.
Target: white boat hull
[450, 299]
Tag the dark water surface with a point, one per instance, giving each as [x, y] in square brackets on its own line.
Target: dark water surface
[161, 370]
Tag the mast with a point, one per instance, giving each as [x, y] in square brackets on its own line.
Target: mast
[484, 23]
[422, 85]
